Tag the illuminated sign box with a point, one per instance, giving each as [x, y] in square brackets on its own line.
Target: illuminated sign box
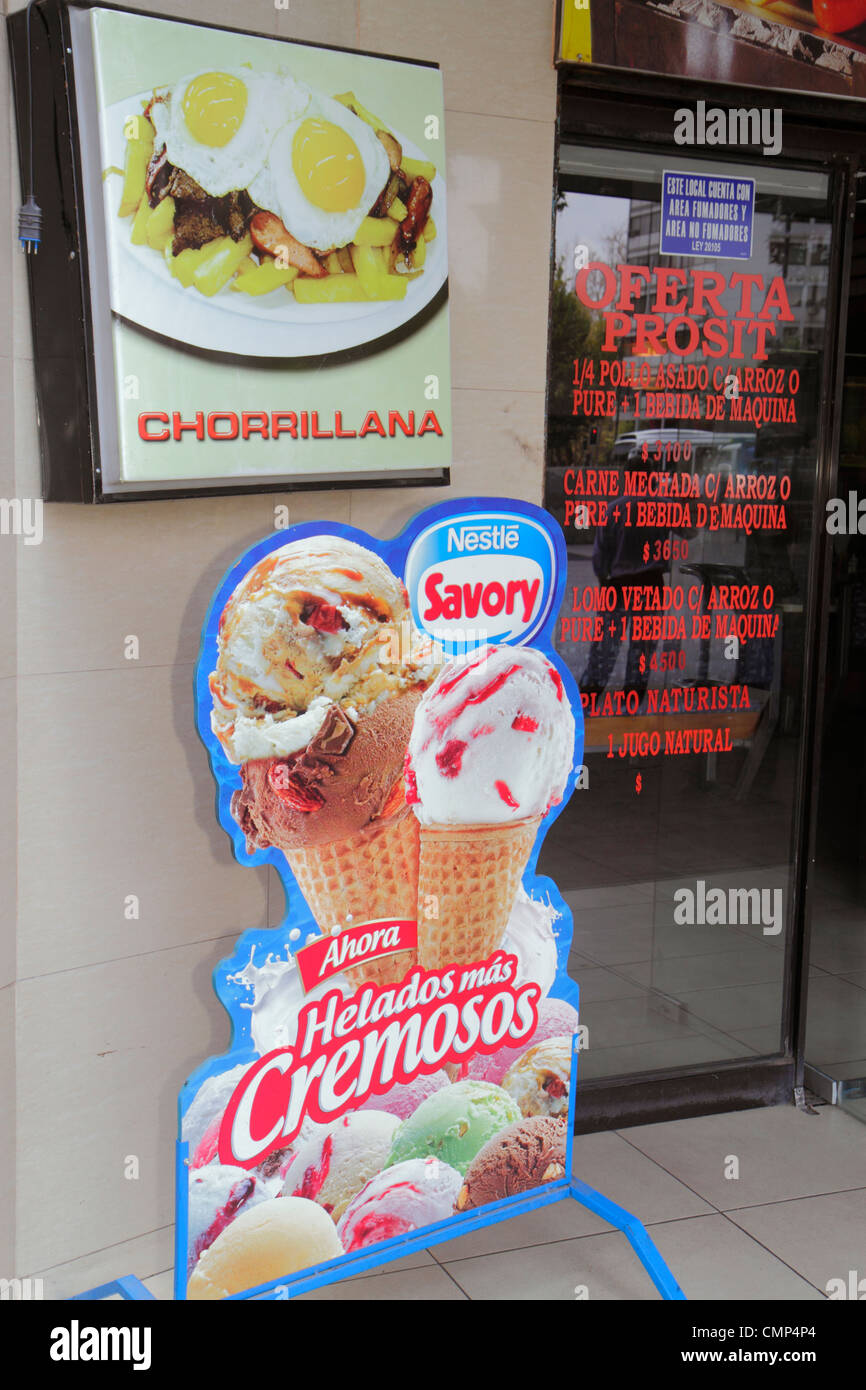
[243, 279]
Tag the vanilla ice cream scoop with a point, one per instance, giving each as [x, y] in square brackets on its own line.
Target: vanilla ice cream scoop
[268, 1242]
[318, 622]
[492, 741]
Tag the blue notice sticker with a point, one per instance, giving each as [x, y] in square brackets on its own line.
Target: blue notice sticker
[707, 215]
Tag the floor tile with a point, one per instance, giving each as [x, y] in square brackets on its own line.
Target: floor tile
[737, 1007]
[145, 1256]
[412, 1286]
[616, 895]
[161, 1285]
[765, 1041]
[709, 1257]
[848, 1071]
[613, 1166]
[835, 1021]
[782, 1153]
[597, 983]
[820, 1237]
[614, 1022]
[750, 964]
[544, 1226]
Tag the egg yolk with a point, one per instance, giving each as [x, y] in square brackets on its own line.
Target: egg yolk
[327, 165]
[214, 106]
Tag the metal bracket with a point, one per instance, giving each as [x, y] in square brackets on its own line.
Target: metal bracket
[801, 1102]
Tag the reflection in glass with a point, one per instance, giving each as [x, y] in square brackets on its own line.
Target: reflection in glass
[687, 640]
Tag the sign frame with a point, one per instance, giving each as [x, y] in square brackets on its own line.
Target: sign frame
[69, 310]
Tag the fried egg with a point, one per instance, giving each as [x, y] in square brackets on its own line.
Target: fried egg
[324, 172]
[218, 126]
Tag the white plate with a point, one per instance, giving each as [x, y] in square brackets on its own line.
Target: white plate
[144, 290]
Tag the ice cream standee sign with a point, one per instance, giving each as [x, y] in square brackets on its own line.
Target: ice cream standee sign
[389, 728]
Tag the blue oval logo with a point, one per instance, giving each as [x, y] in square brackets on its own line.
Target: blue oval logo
[481, 577]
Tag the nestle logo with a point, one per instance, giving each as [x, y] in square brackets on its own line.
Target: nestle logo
[492, 568]
[490, 537]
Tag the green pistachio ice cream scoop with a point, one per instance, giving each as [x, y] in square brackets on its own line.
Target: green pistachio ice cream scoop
[454, 1123]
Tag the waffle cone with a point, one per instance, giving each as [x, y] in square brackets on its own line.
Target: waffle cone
[367, 877]
[472, 873]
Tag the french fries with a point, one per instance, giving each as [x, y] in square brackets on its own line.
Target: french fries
[419, 169]
[219, 260]
[334, 289]
[372, 271]
[159, 228]
[349, 99]
[261, 279]
[138, 235]
[376, 231]
[183, 266]
[139, 148]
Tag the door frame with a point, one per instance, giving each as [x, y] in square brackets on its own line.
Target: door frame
[604, 108]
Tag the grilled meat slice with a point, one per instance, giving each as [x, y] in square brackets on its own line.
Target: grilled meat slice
[199, 218]
[195, 224]
[159, 171]
[417, 212]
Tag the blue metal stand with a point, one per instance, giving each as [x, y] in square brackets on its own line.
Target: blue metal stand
[634, 1232]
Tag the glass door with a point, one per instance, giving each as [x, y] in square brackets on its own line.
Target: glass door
[835, 1045]
[684, 433]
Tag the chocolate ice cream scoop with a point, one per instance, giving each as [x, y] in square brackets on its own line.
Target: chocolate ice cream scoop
[346, 777]
[527, 1154]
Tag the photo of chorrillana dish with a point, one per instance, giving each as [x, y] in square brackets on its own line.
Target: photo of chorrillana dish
[249, 211]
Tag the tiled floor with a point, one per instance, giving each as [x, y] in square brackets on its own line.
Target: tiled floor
[792, 1218]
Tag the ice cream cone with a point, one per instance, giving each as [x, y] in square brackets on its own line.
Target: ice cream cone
[367, 877]
[468, 875]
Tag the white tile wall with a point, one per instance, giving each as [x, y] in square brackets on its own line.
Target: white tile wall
[8, 1266]
[114, 791]
[102, 1053]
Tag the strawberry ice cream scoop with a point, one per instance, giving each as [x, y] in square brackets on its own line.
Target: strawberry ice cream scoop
[400, 1199]
[333, 1165]
[492, 741]
[217, 1194]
